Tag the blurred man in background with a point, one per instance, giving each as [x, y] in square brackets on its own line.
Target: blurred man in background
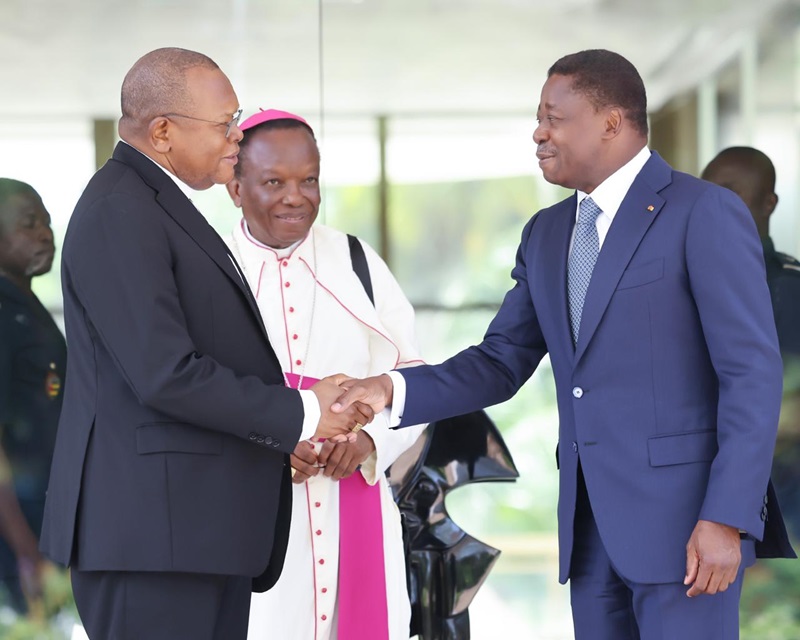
[32, 365]
[750, 174]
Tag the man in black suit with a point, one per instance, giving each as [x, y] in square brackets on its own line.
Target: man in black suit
[170, 488]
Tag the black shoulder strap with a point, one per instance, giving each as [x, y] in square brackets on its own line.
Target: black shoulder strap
[359, 260]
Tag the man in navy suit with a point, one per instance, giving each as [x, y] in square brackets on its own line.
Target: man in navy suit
[170, 489]
[656, 316]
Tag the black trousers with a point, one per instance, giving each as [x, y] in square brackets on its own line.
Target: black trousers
[119, 605]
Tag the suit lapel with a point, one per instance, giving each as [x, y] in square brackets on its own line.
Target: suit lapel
[556, 251]
[636, 213]
[186, 215]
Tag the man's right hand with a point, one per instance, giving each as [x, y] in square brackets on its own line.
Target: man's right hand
[343, 421]
[30, 575]
[376, 392]
[15, 530]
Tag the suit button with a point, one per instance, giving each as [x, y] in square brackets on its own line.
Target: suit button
[260, 439]
[577, 392]
[276, 442]
[267, 440]
[575, 447]
[764, 513]
[253, 436]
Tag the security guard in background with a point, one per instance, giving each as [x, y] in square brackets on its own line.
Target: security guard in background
[32, 364]
[750, 174]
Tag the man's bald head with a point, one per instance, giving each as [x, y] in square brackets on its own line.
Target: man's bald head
[157, 84]
[750, 174]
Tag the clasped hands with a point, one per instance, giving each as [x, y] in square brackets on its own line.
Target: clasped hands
[347, 404]
[336, 460]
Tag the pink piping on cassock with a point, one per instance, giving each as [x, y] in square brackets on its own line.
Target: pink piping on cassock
[346, 308]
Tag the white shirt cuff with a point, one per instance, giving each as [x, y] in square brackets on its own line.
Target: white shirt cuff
[398, 398]
[311, 414]
[379, 431]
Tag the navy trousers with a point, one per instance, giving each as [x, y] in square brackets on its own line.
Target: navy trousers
[606, 606]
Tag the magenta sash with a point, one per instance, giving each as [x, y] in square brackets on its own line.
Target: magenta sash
[363, 610]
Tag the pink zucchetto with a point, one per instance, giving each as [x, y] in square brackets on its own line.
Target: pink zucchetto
[270, 114]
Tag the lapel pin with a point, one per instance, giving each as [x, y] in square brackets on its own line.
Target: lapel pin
[650, 207]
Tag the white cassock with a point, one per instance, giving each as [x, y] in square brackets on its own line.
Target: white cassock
[320, 322]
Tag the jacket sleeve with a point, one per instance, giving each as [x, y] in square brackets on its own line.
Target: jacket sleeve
[491, 372]
[6, 367]
[728, 284]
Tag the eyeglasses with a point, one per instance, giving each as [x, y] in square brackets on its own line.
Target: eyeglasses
[235, 120]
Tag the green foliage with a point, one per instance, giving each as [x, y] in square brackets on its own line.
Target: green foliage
[352, 210]
[455, 243]
[51, 618]
[770, 605]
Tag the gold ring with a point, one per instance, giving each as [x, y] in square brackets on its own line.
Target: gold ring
[293, 471]
[357, 428]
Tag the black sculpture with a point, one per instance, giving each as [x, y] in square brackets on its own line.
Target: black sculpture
[446, 566]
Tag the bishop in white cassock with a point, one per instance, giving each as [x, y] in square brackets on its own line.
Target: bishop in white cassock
[321, 321]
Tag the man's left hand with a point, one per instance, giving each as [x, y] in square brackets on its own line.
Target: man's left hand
[341, 459]
[713, 555]
[304, 462]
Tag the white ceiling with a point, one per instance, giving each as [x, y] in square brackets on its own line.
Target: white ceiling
[68, 57]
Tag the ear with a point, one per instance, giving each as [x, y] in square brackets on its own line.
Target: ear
[234, 187]
[770, 202]
[614, 122]
[158, 134]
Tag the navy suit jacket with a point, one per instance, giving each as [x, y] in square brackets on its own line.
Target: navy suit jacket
[671, 398]
[172, 446]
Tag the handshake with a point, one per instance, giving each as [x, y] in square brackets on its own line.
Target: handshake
[347, 404]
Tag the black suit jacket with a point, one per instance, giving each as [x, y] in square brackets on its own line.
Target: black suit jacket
[173, 439]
